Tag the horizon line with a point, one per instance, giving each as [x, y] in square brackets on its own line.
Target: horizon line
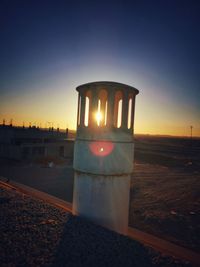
[74, 130]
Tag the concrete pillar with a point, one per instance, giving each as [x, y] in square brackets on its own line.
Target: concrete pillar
[103, 160]
[82, 109]
[111, 98]
[125, 109]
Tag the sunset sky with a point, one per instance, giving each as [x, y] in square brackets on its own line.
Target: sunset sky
[48, 48]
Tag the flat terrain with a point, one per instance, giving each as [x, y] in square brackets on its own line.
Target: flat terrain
[57, 180]
[165, 195]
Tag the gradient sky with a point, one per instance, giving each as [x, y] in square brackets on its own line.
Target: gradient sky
[48, 48]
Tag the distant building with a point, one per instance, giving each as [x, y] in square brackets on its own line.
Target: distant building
[32, 143]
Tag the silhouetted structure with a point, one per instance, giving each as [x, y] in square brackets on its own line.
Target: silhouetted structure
[32, 142]
[103, 154]
[191, 127]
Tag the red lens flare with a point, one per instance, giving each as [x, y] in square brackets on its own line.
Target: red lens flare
[101, 148]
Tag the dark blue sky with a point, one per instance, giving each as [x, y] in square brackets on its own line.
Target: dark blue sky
[49, 47]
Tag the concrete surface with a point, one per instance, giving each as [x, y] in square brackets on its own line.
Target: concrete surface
[103, 199]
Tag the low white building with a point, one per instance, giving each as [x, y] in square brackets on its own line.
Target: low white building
[32, 143]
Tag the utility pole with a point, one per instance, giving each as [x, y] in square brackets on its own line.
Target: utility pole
[191, 127]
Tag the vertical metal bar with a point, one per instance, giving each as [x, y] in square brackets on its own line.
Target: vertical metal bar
[125, 110]
[110, 107]
[133, 114]
[94, 108]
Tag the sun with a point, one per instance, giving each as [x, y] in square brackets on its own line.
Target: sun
[98, 117]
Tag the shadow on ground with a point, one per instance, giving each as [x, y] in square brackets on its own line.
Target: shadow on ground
[84, 244]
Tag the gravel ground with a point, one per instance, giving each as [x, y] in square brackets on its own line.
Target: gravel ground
[34, 233]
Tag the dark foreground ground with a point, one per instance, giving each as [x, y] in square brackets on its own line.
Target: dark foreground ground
[34, 233]
[165, 195]
[165, 189]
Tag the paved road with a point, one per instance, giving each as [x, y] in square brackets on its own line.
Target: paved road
[57, 181]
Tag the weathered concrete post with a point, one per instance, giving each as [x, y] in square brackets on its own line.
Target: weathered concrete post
[103, 153]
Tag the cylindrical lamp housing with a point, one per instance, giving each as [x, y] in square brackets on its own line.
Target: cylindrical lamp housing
[103, 153]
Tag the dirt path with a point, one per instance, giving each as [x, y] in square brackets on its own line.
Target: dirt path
[166, 202]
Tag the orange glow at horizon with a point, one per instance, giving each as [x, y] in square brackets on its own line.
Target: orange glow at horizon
[160, 117]
[141, 126]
